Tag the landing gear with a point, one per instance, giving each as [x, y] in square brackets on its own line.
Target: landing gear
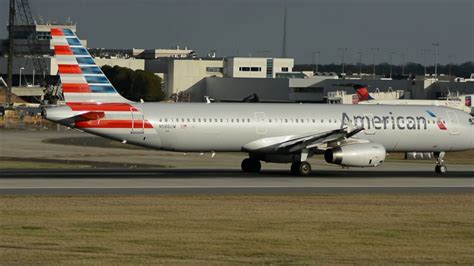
[251, 165]
[301, 168]
[440, 168]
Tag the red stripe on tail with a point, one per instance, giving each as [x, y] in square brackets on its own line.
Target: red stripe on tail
[62, 50]
[78, 88]
[57, 32]
[69, 69]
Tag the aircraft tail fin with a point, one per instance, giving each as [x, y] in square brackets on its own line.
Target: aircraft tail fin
[82, 80]
[362, 93]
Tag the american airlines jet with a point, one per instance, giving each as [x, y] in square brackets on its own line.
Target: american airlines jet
[353, 136]
[462, 103]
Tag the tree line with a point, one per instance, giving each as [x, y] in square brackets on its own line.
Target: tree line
[135, 85]
[459, 70]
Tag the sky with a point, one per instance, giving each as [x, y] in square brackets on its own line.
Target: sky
[255, 27]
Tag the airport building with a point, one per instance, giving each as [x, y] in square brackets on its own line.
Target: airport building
[183, 74]
[226, 78]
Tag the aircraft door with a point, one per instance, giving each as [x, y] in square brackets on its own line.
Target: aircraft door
[452, 123]
[138, 121]
[261, 120]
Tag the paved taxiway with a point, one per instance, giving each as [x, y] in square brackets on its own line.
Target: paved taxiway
[173, 181]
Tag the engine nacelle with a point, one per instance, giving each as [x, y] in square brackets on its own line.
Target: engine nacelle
[356, 155]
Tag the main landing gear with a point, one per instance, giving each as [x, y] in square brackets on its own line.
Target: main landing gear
[301, 168]
[251, 165]
[440, 168]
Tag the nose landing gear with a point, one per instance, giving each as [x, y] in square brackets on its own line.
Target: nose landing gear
[440, 168]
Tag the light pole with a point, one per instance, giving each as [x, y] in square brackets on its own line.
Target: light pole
[342, 59]
[436, 45]
[21, 68]
[425, 52]
[391, 63]
[360, 63]
[373, 50]
[451, 63]
[316, 60]
[403, 63]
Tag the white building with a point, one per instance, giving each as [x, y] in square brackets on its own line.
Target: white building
[182, 74]
[132, 63]
[249, 67]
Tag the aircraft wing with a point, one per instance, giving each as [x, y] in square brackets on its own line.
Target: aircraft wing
[295, 143]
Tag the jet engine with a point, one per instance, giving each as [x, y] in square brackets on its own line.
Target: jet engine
[356, 155]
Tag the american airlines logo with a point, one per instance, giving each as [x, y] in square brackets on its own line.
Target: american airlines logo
[389, 121]
[439, 121]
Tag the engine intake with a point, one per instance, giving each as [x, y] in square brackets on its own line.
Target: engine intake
[357, 155]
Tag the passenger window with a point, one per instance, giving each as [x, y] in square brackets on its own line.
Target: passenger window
[248, 120]
[166, 119]
[199, 120]
[314, 121]
[222, 120]
[188, 120]
[237, 120]
[194, 120]
[160, 120]
[215, 120]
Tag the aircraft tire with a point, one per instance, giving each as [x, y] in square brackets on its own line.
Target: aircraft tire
[250, 165]
[295, 168]
[304, 169]
[441, 169]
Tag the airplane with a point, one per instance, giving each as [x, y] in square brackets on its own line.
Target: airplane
[364, 97]
[347, 135]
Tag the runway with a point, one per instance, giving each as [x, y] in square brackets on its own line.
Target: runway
[203, 181]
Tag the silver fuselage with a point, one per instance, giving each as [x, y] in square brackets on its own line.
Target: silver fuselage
[229, 126]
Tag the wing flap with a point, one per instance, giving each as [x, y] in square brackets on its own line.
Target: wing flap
[293, 144]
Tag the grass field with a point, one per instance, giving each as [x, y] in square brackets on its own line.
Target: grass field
[234, 229]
